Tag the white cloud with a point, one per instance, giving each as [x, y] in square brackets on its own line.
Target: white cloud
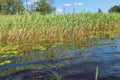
[79, 3]
[59, 10]
[67, 4]
[28, 3]
[31, 2]
[35, 0]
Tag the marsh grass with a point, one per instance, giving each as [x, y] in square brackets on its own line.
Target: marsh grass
[52, 29]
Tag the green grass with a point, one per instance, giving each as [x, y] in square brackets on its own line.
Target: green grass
[51, 29]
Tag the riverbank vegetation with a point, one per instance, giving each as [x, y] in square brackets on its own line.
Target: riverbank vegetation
[59, 28]
[24, 28]
[33, 30]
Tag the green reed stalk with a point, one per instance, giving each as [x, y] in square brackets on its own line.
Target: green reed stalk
[96, 76]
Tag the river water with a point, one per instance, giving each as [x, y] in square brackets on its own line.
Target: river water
[66, 62]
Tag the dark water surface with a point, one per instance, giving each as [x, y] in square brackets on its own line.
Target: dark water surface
[66, 62]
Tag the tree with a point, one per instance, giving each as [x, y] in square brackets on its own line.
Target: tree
[45, 7]
[17, 7]
[100, 11]
[115, 9]
[11, 6]
[5, 6]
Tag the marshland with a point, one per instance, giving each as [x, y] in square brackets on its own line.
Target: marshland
[60, 46]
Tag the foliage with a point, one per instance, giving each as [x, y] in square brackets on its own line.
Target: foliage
[16, 6]
[115, 9]
[49, 29]
[100, 11]
[44, 7]
[11, 6]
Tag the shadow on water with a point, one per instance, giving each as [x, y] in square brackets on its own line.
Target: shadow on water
[66, 62]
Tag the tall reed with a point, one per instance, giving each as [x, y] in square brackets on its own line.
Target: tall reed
[35, 28]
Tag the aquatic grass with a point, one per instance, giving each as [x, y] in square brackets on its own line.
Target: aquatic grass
[5, 62]
[59, 28]
[96, 76]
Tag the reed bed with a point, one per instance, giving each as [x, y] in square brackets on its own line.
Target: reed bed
[55, 28]
[20, 33]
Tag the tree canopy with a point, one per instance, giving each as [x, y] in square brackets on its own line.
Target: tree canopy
[45, 7]
[100, 11]
[115, 8]
[16, 6]
[11, 6]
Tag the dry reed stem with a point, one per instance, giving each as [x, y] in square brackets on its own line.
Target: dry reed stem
[76, 35]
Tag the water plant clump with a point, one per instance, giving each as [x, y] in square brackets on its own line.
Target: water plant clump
[52, 29]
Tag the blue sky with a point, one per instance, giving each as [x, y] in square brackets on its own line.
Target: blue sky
[82, 5]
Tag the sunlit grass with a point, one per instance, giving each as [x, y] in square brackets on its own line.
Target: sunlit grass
[19, 33]
[48, 30]
[5, 62]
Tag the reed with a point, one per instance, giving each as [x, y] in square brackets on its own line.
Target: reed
[96, 76]
[55, 28]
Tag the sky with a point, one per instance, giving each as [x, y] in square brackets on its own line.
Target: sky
[77, 6]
